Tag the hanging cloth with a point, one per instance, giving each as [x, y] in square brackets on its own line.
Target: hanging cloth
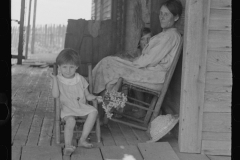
[93, 27]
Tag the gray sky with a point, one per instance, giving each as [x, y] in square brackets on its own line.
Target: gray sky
[54, 11]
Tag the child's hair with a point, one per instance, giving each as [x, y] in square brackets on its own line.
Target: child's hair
[68, 56]
[145, 31]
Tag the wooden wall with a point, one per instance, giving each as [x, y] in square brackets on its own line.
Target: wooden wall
[215, 114]
[107, 4]
[205, 112]
[93, 13]
[216, 126]
[134, 25]
[101, 9]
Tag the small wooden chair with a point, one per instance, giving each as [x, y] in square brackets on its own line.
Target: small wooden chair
[152, 108]
[59, 124]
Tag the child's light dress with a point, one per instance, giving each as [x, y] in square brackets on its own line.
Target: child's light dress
[72, 98]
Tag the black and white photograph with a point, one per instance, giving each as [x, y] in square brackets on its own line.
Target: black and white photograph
[120, 80]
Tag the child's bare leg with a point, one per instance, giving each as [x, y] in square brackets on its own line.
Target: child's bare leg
[87, 127]
[68, 135]
[68, 130]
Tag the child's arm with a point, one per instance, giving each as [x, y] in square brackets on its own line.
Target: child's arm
[91, 97]
[55, 90]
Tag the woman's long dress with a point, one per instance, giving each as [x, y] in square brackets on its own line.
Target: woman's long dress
[150, 67]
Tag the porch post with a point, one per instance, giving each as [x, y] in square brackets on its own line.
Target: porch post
[21, 28]
[193, 75]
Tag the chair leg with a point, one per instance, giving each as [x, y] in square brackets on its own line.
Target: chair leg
[57, 132]
[149, 113]
[98, 131]
[57, 121]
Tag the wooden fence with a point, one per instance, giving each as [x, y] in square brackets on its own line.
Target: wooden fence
[48, 39]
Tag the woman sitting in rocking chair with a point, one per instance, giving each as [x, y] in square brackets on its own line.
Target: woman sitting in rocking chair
[153, 63]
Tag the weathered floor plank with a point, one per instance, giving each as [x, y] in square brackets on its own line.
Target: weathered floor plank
[41, 153]
[156, 151]
[46, 132]
[86, 154]
[117, 134]
[182, 156]
[219, 157]
[32, 125]
[16, 152]
[141, 135]
[121, 152]
[107, 138]
[35, 130]
[128, 134]
[16, 121]
[22, 132]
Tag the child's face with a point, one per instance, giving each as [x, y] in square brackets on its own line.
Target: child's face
[144, 40]
[68, 70]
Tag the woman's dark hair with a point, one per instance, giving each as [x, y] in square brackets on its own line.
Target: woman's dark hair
[174, 6]
[68, 56]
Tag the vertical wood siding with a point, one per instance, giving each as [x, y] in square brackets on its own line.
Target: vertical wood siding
[93, 11]
[101, 9]
[216, 135]
[98, 9]
[107, 4]
[133, 25]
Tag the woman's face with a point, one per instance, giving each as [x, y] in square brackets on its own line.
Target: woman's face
[167, 19]
[144, 40]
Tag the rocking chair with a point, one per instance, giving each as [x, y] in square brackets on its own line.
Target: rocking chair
[157, 93]
[59, 123]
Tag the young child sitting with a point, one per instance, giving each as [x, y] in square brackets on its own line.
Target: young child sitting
[72, 89]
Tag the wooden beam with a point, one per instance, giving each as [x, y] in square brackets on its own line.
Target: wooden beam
[154, 19]
[33, 29]
[20, 43]
[193, 75]
[17, 56]
[28, 28]
[114, 26]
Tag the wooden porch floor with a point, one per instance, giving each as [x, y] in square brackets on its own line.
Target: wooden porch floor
[33, 119]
